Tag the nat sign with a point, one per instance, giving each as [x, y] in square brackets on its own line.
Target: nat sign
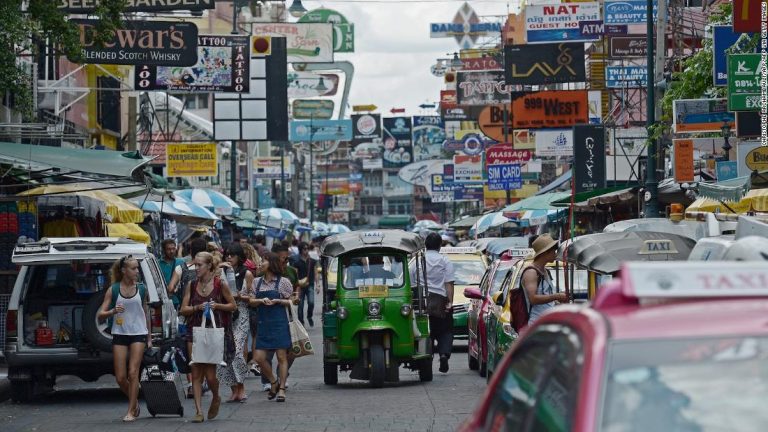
[158, 43]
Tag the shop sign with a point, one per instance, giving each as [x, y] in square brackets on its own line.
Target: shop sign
[486, 62]
[428, 137]
[481, 88]
[306, 109]
[269, 168]
[398, 151]
[747, 124]
[554, 142]
[222, 66]
[320, 130]
[591, 28]
[473, 193]
[757, 159]
[726, 170]
[683, 155]
[366, 128]
[505, 177]
[744, 82]
[500, 154]
[550, 109]
[466, 28]
[305, 84]
[343, 30]
[626, 76]
[189, 160]
[559, 22]
[343, 203]
[159, 43]
[467, 169]
[746, 15]
[544, 64]
[628, 11]
[588, 158]
[628, 46]
[305, 43]
[89, 6]
[701, 115]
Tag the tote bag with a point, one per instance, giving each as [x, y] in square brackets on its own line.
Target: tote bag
[300, 343]
[208, 343]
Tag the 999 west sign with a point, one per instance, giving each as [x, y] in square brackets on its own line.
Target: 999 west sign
[549, 109]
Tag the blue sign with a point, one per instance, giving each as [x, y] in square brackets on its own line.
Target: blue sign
[615, 29]
[628, 11]
[443, 183]
[723, 38]
[626, 76]
[504, 177]
[469, 193]
[591, 28]
[726, 170]
[320, 130]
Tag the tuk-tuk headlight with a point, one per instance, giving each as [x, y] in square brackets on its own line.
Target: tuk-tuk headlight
[374, 308]
[405, 310]
[342, 313]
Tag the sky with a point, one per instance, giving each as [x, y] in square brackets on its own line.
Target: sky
[393, 50]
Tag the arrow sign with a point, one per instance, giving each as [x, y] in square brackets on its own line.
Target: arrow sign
[426, 106]
[397, 110]
[359, 108]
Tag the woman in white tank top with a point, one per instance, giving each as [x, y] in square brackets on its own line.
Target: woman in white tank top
[125, 305]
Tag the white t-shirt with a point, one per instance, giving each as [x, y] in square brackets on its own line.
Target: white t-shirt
[439, 272]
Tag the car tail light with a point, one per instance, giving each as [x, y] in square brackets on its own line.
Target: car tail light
[156, 318]
[11, 323]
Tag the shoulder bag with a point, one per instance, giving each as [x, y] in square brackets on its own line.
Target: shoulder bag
[208, 343]
[300, 344]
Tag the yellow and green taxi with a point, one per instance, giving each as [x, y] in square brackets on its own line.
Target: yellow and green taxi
[469, 266]
[500, 333]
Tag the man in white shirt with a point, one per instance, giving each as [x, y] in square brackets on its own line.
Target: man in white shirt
[440, 279]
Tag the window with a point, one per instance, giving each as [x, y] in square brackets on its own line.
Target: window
[371, 206]
[400, 206]
[372, 180]
[199, 101]
[373, 270]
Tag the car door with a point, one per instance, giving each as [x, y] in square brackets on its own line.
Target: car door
[476, 305]
[493, 325]
[539, 387]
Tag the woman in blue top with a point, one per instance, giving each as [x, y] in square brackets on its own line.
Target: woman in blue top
[125, 304]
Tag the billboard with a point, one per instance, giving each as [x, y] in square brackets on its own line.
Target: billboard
[628, 46]
[159, 43]
[428, 137]
[546, 23]
[320, 130]
[544, 64]
[588, 158]
[308, 84]
[222, 66]
[398, 151]
[189, 160]
[554, 142]
[683, 156]
[305, 42]
[701, 115]
[550, 109]
[481, 88]
[366, 128]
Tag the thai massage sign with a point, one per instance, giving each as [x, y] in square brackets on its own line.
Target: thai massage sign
[158, 43]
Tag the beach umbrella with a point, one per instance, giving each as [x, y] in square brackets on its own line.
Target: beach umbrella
[175, 207]
[214, 201]
[275, 217]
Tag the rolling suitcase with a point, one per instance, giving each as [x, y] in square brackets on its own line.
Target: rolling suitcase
[161, 391]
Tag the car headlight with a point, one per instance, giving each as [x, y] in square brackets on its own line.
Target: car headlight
[342, 313]
[374, 308]
[405, 310]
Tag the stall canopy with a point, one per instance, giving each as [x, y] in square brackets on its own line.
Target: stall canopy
[464, 223]
[177, 208]
[118, 209]
[588, 201]
[127, 230]
[536, 210]
[488, 221]
[558, 182]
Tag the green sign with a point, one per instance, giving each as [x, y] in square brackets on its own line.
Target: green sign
[744, 82]
[343, 30]
[305, 109]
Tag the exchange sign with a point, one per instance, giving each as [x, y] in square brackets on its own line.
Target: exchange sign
[744, 82]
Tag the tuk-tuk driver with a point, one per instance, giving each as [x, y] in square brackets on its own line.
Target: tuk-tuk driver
[376, 269]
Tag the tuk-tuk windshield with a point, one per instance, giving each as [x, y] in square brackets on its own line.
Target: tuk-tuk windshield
[373, 270]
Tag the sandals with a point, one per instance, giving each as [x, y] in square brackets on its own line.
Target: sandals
[272, 393]
[132, 418]
[281, 398]
[198, 418]
[213, 411]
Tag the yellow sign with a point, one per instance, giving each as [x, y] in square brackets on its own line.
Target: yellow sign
[368, 291]
[361, 108]
[757, 159]
[189, 160]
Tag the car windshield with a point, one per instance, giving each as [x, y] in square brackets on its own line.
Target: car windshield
[373, 270]
[468, 272]
[498, 277]
[702, 385]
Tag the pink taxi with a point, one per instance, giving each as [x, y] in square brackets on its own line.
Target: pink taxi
[664, 347]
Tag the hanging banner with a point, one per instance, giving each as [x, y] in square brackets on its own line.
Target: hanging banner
[305, 43]
[701, 115]
[550, 109]
[544, 64]
[89, 6]
[189, 160]
[554, 142]
[559, 22]
[308, 84]
[366, 128]
[628, 46]
[481, 88]
[683, 155]
[588, 158]
[398, 151]
[159, 43]
[428, 137]
[343, 30]
[628, 11]
[222, 66]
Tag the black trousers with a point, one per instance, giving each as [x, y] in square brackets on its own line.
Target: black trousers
[441, 332]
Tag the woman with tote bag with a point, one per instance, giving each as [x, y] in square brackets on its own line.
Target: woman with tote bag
[206, 294]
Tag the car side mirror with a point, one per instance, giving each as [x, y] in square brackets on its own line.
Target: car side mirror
[497, 298]
[473, 293]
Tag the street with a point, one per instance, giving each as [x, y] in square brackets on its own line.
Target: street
[310, 406]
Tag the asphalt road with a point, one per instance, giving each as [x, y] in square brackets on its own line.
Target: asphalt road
[440, 405]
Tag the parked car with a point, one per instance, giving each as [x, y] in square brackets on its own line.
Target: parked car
[61, 285]
[468, 266]
[657, 350]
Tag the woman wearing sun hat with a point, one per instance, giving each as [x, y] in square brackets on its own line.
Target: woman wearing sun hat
[540, 293]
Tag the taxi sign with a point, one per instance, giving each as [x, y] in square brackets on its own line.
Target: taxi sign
[656, 247]
[372, 237]
[368, 291]
[458, 250]
[520, 252]
[694, 279]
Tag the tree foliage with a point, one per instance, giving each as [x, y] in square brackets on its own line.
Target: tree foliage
[23, 22]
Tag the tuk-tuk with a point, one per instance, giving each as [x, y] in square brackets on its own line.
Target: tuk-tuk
[375, 306]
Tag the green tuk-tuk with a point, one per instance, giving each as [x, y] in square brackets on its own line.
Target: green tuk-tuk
[375, 306]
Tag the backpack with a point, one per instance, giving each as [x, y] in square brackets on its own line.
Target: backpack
[518, 304]
[187, 276]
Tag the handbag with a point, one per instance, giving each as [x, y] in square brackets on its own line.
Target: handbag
[300, 344]
[208, 343]
[436, 305]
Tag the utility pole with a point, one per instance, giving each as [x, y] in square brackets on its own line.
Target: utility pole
[651, 185]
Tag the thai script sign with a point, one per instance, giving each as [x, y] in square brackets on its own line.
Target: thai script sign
[560, 22]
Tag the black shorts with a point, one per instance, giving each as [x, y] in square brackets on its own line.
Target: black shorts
[127, 340]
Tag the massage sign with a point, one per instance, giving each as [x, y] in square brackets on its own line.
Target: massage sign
[158, 43]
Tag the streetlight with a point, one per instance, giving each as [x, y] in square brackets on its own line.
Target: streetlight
[456, 62]
[297, 9]
[726, 128]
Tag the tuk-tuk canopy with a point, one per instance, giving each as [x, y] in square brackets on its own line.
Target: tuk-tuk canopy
[604, 252]
[340, 244]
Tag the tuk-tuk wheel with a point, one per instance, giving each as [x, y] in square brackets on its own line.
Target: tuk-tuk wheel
[330, 373]
[425, 369]
[378, 366]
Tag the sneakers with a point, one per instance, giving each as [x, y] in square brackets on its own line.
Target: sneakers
[266, 387]
[255, 369]
[443, 364]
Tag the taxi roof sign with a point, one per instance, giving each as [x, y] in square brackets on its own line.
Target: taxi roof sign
[458, 250]
[372, 237]
[520, 252]
[694, 279]
[658, 247]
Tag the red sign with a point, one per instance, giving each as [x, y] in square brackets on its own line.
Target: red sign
[502, 154]
[746, 16]
[482, 63]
